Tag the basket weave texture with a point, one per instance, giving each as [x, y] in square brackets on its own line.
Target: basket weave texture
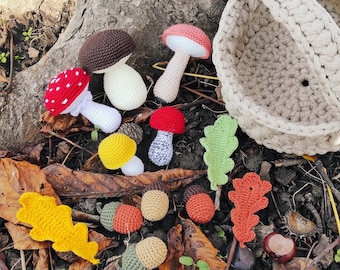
[278, 62]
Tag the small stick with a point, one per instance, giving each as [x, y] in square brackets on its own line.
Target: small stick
[8, 88]
[231, 253]
[320, 168]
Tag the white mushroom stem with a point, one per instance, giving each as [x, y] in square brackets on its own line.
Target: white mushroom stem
[108, 119]
[133, 167]
[167, 86]
[161, 148]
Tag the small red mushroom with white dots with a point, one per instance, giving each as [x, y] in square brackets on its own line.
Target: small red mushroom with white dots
[68, 93]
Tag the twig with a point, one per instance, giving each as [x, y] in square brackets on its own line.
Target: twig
[8, 88]
[231, 253]
[320, 168]
[324, 252]
[69, 141]
[22, 256]
[201, 94]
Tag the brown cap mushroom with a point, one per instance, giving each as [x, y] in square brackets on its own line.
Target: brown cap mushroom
[104, 49]
[186, 41]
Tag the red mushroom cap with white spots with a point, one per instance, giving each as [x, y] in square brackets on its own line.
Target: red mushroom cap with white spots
[64, 88]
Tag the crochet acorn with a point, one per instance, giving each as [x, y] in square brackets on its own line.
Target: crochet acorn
[118, 151]
[54, 223]
[155, 201]
[145, 255]
[198, 204]
[119, 217]
[168, 121]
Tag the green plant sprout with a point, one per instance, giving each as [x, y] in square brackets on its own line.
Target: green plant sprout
[188, 261]
[3, 57]
[18, 57]
[221, 234]
[28, 34]
[219, 143]
[94, 133]
[337, 256]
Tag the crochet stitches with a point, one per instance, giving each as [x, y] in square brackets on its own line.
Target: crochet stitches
[248, 198]
[54, 223]
[220, 142]
[279, 65]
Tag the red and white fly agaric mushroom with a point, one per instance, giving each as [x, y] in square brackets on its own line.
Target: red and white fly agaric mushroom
[107, 52]
[68, 93]
[168, 121]
[186, 41]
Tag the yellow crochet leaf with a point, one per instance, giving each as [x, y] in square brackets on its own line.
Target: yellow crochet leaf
[219, 142]
[54, 223]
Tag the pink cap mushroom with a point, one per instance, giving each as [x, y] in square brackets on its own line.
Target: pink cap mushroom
[107, 52]
[68, 93]
[186, 41]
[168, 121]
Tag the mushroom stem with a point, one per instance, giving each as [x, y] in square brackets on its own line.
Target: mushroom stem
[161, 149]
[108, 119]
[167, 86]
[133, 167]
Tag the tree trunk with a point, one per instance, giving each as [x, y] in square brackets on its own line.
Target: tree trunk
[145, 20]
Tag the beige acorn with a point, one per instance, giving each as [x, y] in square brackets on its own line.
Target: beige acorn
[155, 201]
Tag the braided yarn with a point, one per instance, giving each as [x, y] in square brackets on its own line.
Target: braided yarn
[122, 218]
[198, 204]
[279, 65]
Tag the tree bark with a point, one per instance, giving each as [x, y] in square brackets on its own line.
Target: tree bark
[145, 20]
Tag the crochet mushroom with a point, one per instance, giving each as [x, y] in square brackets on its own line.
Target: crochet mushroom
[118, 151]
[107, 52]
[68, 93]
[186, 41]
[168, 121]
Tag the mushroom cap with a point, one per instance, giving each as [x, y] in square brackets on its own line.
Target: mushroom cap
[188, 38]
[168, 119]
[104, 49]
[116, 150]
[64, 88]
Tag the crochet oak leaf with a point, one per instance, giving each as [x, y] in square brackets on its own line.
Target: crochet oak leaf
[248, 198]
[54, 223]
[219, 142]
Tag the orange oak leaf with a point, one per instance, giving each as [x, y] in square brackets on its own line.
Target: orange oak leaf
[248, 198]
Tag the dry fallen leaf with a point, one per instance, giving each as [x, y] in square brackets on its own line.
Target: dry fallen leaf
[21, 238]
[3, 77]
[63, 124]
[198, 246]
[78, 183]
[17, 177]
[41, 259]
[138, 116]
[175, 249]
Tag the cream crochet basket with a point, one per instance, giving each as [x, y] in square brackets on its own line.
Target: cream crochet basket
[278, 62]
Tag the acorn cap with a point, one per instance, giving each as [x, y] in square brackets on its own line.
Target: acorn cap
[168, 119]
[193, 190]
[129, 259]
[158, 185]
[133, 130]
[104, 49]
[107, 214]
[151, 251]
[116, 150]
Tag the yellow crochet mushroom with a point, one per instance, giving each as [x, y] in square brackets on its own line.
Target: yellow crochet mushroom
[54, 223]
[118, 151]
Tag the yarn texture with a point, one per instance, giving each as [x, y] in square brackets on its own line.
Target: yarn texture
[54, 223]
[279, 66]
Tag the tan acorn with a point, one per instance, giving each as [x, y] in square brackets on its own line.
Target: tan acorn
[155, 201]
